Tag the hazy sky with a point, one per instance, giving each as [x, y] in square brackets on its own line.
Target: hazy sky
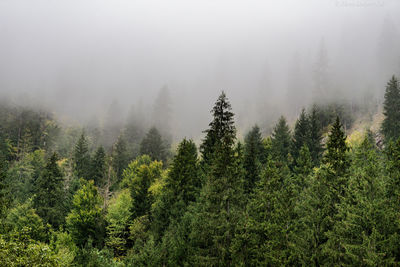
[79, 56]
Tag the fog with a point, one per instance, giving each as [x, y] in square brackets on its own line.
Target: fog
[270, 57]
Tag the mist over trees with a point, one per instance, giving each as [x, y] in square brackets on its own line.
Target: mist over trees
[220, 133]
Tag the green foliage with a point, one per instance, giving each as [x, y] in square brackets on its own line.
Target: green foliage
[85, 221]
[98, 167]
[301, 135]
[254, 156]
[182, 186]
[81, 157]
[221, 201]
[24, 217]
[391, 123]
[138, 177]
[262, 239]
[154, 146]
[49, 194]
[315, 142]
[281, 140]
[222, 126]
[120, 157]
[18, 249]
[118, 219]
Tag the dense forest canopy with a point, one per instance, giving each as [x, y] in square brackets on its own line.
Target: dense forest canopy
[180, 133]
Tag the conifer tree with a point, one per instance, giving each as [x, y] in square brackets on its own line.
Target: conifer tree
[315, 142]
[120, 157]
[281, 141]
[301, 135]
[358, 234]
[254, 156]
[222, 125]
[98, 166]
[4, 158]
[49, 194]
[262, 237]
[154, 146]
[219, 208]
[318, 208]
[82, 157]
[391, 107]
[181, 187]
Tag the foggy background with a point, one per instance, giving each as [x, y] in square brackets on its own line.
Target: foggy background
[86, 60]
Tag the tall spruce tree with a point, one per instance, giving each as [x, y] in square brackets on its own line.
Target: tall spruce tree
[4, 159]
[254, 157]
[120, 157]
[358, 235]
[315, 142]
[81, 157]
[182, 186]
[98, 166]
[222, 125]
[391, 110]
[318, 208]
[154, 146]
[301, 135]
[49, 194]
[281, 141]
[262, 237]
[221, 201]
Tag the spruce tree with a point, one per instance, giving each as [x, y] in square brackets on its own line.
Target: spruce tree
[4, 159]
[358, 234]
[301, 135]
[49, 194]
[154, 146]
[315, 142]
[181, 187]
[98, 166]
[221, 201]
[254, 156]
[281, 141]
[262, 237]
[318, 208]
[222, 125]
[391, 110]
[81, 158]
[120, 157]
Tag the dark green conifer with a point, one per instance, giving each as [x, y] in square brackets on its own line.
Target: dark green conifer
[49, 194]
[391, 110]
[281, 141]
[81, 158]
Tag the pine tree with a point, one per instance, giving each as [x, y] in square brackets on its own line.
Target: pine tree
[154, 146]
[120, 157]
[219, 208]
[82, 158]
[222, 125]
[391, 107]
[49, 194]
[281, 141]
[85, 222]
[315, 141]
[254, 156]
[181, 187]
[98, 166]
[358, 234]
[262, 237]
[318, 208]
[301, 135]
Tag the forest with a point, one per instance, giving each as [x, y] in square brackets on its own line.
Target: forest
[306, 195]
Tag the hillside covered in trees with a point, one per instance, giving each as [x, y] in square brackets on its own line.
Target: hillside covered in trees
[305, 195]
